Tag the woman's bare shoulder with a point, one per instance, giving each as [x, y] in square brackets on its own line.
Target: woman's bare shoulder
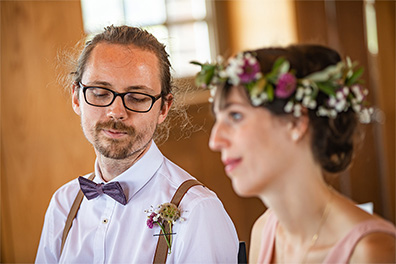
[375, 248]
[260, 222]
[255, 237]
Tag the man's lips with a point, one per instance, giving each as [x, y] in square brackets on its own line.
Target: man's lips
[114, 133]
[231, 164]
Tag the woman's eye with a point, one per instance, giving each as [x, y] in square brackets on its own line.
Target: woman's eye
[235, 116]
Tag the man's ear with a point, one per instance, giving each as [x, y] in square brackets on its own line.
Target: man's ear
[76, 99]
[165, 108]
[298, 127]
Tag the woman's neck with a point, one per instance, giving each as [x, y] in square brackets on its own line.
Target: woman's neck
[298, 200]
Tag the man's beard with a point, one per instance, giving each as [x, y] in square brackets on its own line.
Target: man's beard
[119, 148]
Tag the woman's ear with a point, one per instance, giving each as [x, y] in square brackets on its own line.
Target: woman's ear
[76, 100]
[298, 126]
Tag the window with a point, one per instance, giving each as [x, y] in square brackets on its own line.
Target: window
[182, 25]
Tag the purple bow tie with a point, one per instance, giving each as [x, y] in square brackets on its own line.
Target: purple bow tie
[92, 190]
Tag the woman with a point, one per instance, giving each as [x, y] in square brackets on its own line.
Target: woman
[284, 116]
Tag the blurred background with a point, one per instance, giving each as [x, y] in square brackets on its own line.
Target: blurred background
[43, 147]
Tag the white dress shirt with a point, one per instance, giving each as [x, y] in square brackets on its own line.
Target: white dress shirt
[105, 231]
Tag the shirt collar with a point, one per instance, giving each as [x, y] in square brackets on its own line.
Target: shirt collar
[134, 178]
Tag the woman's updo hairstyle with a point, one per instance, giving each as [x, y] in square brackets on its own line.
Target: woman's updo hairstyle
[332, 139]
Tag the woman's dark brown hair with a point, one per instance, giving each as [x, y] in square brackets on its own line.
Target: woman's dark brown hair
[332, 139]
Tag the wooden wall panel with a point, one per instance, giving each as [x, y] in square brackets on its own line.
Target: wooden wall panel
[341, 25]
[42, 146]
[307, 30]
[385, 62]
[365, 172]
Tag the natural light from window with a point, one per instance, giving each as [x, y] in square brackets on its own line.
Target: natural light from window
[182, 25]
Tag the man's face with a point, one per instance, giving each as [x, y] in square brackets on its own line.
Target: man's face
[114, 131]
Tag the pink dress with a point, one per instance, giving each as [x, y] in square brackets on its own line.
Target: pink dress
[340, 253]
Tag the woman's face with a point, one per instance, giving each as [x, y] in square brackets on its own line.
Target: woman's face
[253, 143]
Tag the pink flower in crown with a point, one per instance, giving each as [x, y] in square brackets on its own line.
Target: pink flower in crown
[286, 86]
[250, 69]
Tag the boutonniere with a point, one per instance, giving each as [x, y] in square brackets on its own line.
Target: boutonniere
[166, 213]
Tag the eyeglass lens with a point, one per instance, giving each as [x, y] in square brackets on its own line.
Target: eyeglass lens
[103, 97]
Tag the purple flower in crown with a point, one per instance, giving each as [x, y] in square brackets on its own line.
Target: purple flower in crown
[250, 69]
[286, 86]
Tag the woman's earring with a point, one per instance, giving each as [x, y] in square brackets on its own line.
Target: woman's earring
[295, 136]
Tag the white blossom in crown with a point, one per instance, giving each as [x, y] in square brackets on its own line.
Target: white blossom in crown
[339, 83]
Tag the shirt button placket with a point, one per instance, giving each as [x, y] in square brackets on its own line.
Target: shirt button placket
[100, 237]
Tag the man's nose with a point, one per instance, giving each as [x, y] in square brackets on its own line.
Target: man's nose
[117, 109]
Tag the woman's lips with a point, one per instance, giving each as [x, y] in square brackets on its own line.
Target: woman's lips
[231, 164]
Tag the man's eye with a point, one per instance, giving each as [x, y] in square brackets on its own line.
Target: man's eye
[138, 98]
[100, 92]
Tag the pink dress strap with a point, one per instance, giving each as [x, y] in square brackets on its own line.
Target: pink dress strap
[268, 239]
[342, 251]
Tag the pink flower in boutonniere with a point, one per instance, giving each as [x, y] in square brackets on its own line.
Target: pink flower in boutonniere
[166, 213]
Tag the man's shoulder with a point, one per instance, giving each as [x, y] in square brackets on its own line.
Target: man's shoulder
[65, 195]
[175, 176]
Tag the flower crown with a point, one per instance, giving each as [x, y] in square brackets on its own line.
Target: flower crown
[340, 83]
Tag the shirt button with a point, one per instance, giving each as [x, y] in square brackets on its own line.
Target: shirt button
[105, 221]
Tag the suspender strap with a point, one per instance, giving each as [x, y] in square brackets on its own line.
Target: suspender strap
[161, 252]
[72, 214]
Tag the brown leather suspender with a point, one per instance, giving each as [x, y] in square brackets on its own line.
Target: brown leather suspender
[161, 251]
[72, 214]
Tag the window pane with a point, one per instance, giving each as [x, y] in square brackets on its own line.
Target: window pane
[182, 10]
[188, 42]
[143, 13]
[98, 14]
[161, 33]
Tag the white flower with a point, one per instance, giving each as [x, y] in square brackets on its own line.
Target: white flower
[322, 111]
[306, 101]
[332, 101]
[364, 116]
[297, 110]
[340, 105]
[256, 101]
[305, 82]
[356, 107]
[358, 93]
[345, 90]
[288, 107]
[223, 74]
[258, 75]
[299, 93]
[312, 104]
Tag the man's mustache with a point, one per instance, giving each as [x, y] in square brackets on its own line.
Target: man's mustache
[115, 125]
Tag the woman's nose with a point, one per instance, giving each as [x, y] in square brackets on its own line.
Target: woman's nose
[218, 140]
[117, 109]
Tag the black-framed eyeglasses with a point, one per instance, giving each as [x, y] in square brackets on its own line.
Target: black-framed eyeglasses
[133, 101]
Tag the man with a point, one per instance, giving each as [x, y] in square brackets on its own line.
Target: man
[122, 92]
